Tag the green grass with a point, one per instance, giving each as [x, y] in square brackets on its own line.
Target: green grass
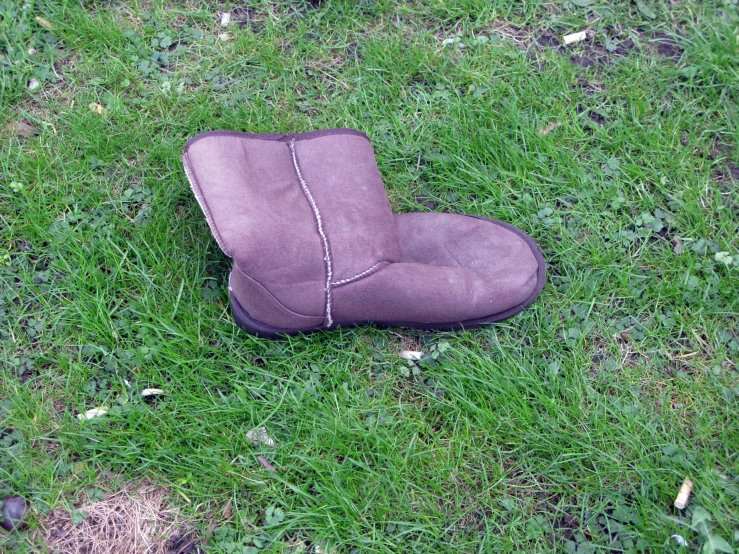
[570, 426]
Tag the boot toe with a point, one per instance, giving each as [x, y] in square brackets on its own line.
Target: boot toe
[504, 261]
[455, 270]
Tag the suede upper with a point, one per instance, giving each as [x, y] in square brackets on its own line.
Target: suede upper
[315, 243]
[343, 178]
[250, 188]
[453, 268]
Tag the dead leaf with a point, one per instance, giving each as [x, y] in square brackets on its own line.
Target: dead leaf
[43, 22]
[266, 464]
[678, 245]
[544, 131]
[227, 511]
[97, 108]
[225, 18]
[20, 128]
[210, 531]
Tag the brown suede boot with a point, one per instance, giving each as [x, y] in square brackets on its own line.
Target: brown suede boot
[316, 246]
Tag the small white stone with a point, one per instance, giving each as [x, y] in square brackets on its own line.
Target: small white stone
[33, 84]
[31, 51]
[225, 18]
[680, 540]
[411, 355]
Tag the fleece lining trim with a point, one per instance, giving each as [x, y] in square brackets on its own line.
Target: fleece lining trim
[195, 187]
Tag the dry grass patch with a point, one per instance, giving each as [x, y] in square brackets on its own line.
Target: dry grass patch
[136, 518]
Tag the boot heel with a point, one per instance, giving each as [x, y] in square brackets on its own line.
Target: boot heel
[251, 325]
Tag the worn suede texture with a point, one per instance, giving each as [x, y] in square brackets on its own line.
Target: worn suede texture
[453, 268]
[346, 185]
[264, 306]
[261, 214]
[315, 243]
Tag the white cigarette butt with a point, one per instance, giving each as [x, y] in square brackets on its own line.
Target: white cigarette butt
[411, 355]
[682, 497]
[575, 37]
[93, 413]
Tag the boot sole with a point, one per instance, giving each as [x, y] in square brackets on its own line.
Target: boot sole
[255, 327]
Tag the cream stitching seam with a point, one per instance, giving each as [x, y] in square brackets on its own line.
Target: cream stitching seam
[324, 239]
[358, 275]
